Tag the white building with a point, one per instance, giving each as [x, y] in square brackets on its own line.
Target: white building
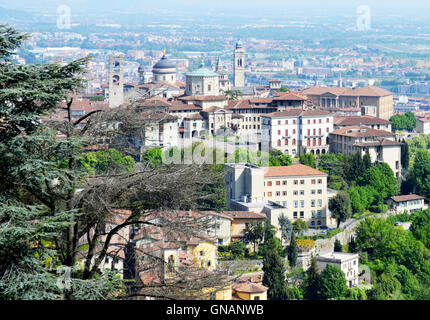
[381, 145]
[347, 262]
[297, 191]
[409, 203]
[297, 131]
[423, 125]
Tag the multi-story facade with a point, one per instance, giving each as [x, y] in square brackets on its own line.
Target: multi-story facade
[380, 144]
[297, 191]
[297, 131]
[340, 98]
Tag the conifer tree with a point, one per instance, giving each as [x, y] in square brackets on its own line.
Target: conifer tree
[292, 251]
[310, 283]
[274, 272]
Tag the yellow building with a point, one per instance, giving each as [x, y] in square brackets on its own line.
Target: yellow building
[241, 219]
[247, 290]
[204, 252]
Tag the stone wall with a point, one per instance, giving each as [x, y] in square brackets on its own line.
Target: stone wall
[240, 265]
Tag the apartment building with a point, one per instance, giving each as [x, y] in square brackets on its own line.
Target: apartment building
[297, 191]
[381, 145]
[298, 131]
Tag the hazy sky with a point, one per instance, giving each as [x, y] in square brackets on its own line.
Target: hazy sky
[252, 7]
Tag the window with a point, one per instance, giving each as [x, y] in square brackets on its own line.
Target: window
[286, 133]
[279, 122]
[278, 193]
[302, 203]
[313, 191]
[313, 203]
[269, 194]
[302, 192]
[295, 214]
[313, 181]
[319, 213]
[319, 191]
[319, 181]
[279, 132]
[319, 121]
[202, 253]
[209, 87]
[309, 132]
[327, 129]
[269, 183]
[302, 181]
[294, 131]
[309, 121]
[278, 183]
[284, 193]
[256, 298]
[286, 122]
[302, 214]
[315, 121]
[294, 121]
[313, 213]
[284, 182]
[319, 203]
[296, 203]
[296, 181]
[319, 222]
[328, 120]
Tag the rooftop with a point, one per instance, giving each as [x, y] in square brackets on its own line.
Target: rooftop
[361, 131]
[408, 197]
[294, 170]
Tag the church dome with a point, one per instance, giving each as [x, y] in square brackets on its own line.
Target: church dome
[164, 63]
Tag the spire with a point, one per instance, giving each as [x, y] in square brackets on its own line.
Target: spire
[219, 65]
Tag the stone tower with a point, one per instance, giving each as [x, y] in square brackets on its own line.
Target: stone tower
[219, 67]
[239, 65]
[116, 80]
[141, 72]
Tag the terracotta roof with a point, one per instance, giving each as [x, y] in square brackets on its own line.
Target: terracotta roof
[295, 112]
[357, 131]
[212, 109]
[203, 98]
[293, 170]
[261, 100]
[249, 287]
[379, 142]
[358, 120]
[156, 116]
[407, 197]
[179, 106]
[196, 116]
[370, 91]
[289, 96]
[244, 215]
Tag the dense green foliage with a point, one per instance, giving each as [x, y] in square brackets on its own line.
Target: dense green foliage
[292, 250]
[254, 233]
[103, 162]
[418, 181]
[332, 283]
[340, 207]
[406, 121]
[308, 159]
[333, 164]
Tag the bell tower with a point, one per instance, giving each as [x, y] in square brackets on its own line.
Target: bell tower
[116, 80]
[239, 65]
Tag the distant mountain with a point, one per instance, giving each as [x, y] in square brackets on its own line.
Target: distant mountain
[7, 15]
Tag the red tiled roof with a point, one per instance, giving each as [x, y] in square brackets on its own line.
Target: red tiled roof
[407, 197]
[244, 215]
[293, 170]
[249, 287]
[203, 98]
[357, 131]
[379, 142]
[358, 120]
[295, 112]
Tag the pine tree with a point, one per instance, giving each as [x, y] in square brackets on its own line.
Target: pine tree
[337, 246]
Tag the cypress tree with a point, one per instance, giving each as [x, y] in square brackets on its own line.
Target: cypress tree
[274, 272]
[292, 251]
[310, 284]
